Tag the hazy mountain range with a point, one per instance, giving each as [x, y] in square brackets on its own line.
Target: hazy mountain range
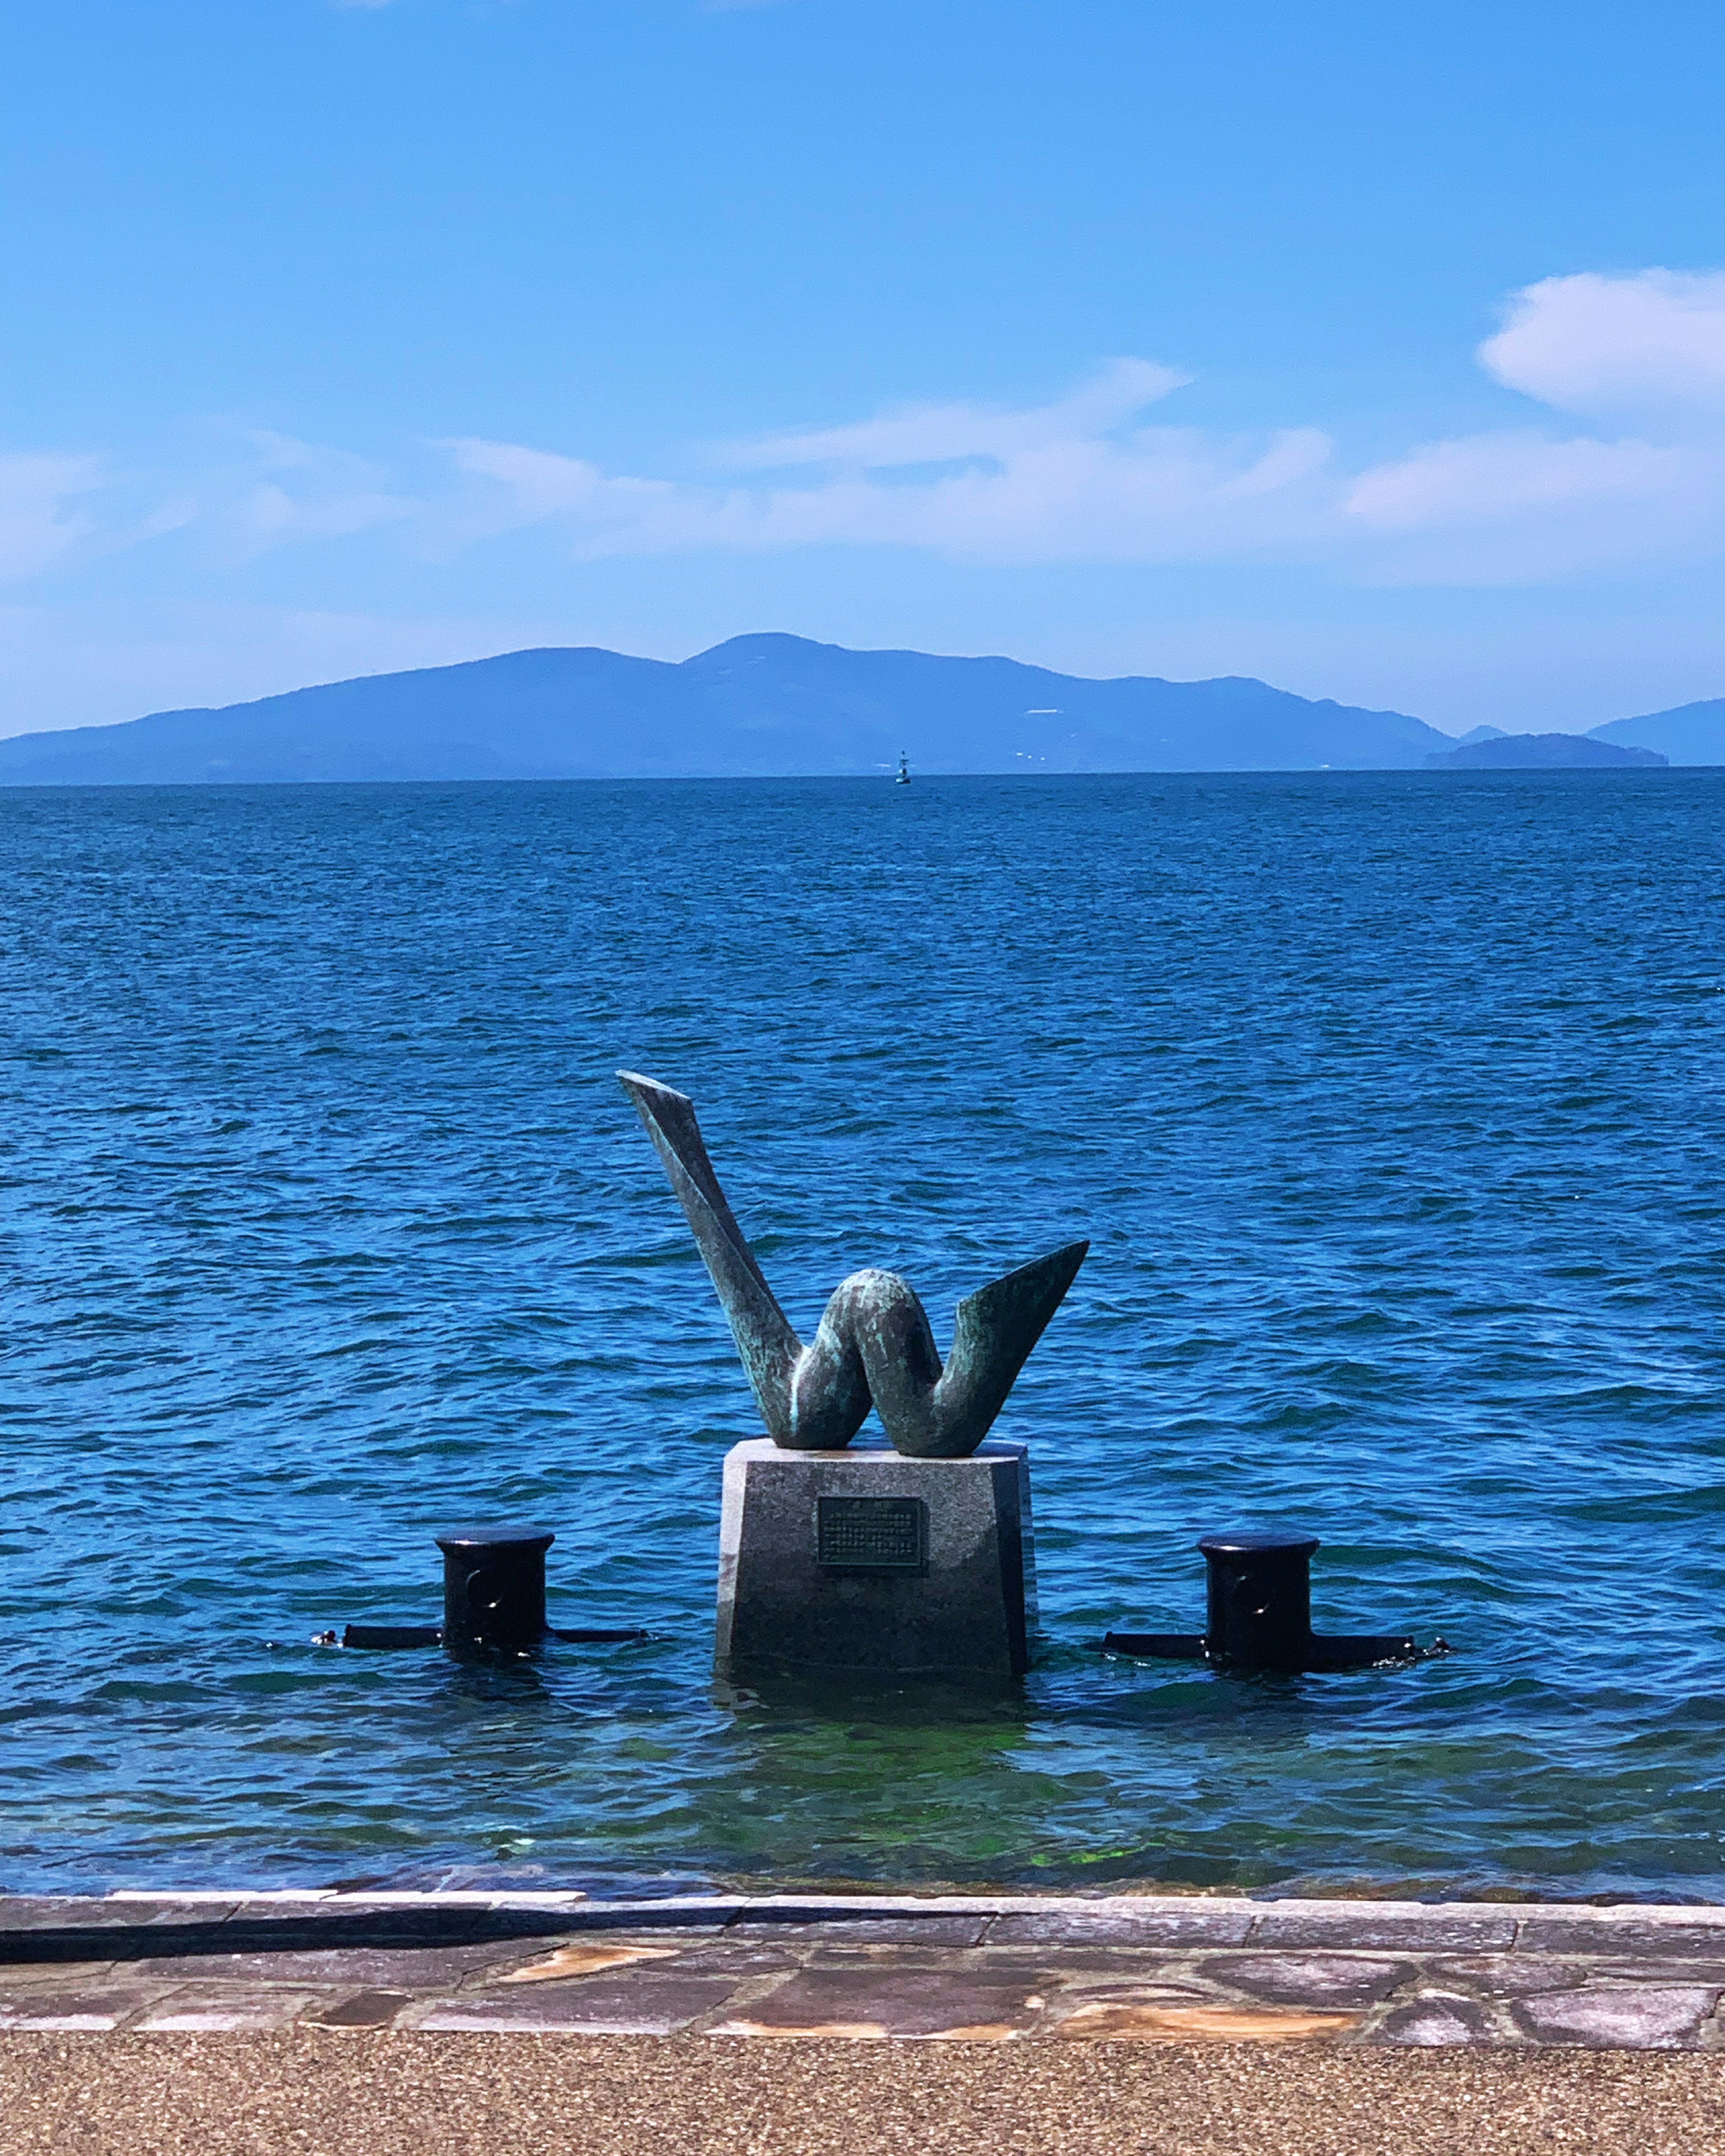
[1492, 750]
[762, 707]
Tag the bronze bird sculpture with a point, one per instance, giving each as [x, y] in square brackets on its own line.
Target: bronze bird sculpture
[874, 1347]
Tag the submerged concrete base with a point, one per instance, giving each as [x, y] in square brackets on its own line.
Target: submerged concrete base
[866, 1562]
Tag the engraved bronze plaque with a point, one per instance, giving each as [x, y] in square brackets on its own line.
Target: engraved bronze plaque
[872, 1534]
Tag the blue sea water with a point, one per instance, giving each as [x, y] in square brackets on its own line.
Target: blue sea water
[1392, 1104]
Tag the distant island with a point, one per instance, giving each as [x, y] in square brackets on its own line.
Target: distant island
[758, 706]
[774, 707]
[1542, 752]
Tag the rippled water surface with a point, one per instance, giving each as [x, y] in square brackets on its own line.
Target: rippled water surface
[1392, 1104]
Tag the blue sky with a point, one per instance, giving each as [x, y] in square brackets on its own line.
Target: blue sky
[1379, 352]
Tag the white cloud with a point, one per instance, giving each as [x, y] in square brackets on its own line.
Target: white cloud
[533, 487]
[1083, 478]
[1070, 480]
[1488, 478]
[1520, 505]
[58, 506]
[39, 524]
[296, 491]
[1647, 347]
[944, 433]
[1094, 475]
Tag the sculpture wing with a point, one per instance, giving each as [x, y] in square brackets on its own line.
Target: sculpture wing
[992, 1334]
[763, 1334]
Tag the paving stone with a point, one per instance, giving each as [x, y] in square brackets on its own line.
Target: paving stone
[98, 2007]
[417, 1968]
[1620, 2017]
[452, 1897]
[740, 1959]
[1198, 2021]
[24, 1976]
[1618, 1938]
[41, 1913]
[226, 2006]
[887, 2002]
[870, 1931]
[1679, 1969]
[1433, 2021]
[586, 1957]
[646, 2003]
[359, 2010]
[1161, 1970]
[1038, 1970]
[1060, 1987]
[1403, 1927]
[933, 1961]
[1511, 1976]
[1313, 1979]
[1201, 1925]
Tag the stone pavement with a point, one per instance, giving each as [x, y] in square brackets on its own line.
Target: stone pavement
[1029, 1971]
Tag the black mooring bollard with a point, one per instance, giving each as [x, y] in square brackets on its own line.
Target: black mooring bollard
[494, 1587]
[1259, 1612]
[1258, 1600]
[494, 1596]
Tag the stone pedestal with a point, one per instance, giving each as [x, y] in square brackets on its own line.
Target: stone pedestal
[866, 1562]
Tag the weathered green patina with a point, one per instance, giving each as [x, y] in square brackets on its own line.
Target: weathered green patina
[874, 1347]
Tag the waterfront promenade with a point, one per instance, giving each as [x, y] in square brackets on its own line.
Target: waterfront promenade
[450, 2022]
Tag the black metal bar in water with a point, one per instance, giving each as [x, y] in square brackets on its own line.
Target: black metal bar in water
[1364, 1651]
[432, 1635]
[1164, 1647]
[392, 1635]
